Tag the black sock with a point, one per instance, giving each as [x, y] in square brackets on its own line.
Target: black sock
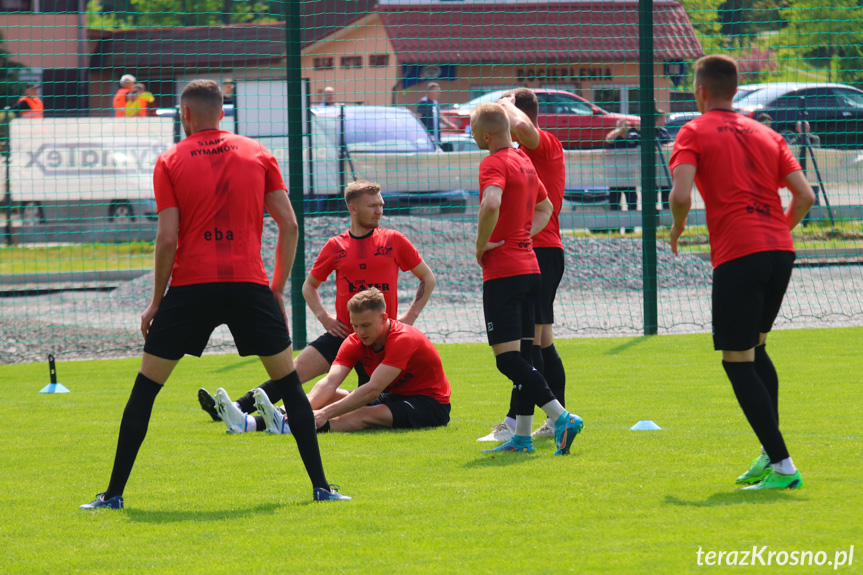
[247, 402]
[554, 373]
[531, 387]
[302, 421]
[513, 403]
[767, 373]
[325, 428]
[133, 429]
[260, 424]
[757, 406]
[537, 358]
[527, 350]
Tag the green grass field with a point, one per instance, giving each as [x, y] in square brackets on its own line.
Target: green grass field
[76, 257]
[200, 501]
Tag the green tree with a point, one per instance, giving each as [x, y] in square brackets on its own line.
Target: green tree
[10, 86]
[124, 14]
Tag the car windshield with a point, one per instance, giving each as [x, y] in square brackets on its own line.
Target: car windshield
[386, 130]
[485, 98]
[851, 98]
[744, 91]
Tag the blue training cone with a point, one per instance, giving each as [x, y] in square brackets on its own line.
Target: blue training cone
[53, 387]
[644, 425]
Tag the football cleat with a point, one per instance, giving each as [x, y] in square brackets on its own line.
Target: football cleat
[547, 430]
[208, 404]
[517, 444]
[566, 428]
[274, 418]
[499, 433]
[235, 420]
[100, 502]
[776, 480]
[331, 494]
[758, 470]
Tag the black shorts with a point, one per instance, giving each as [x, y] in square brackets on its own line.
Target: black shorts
[328, 346]
[189, 314]
[508, 305]
[414, 411]
[747, 295]
[551, 269]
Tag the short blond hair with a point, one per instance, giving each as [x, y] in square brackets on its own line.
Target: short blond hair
[490, 118]
[360, 188]
[368, 299]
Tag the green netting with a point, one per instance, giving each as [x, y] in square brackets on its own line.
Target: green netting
[75, 267]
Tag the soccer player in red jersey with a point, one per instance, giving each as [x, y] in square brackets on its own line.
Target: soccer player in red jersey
[546, 153]
[211, 191]
[407, 389]
[513, 207]
[364, 256]
[738, 166]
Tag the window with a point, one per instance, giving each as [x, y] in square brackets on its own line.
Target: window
[323, 63]
[352, 61]
[16, 5]
[851, 99]
[379, 60]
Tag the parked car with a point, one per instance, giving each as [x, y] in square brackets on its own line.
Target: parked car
[676, 121]
[834, 111]
[576, 122]
[380, 129]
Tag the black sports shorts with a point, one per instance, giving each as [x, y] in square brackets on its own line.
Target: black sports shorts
[414, 411]
[189, 314]
[328, 346]
[508, 304]
[551, 269]
[747, 295]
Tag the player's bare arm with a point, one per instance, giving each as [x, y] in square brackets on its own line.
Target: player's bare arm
[279, 207]
[427, 282]
[680, 200]
[520, 127]
[167, 233]
[541, 216]
[489, 212]
[313, 300]
[802, 198]
[381, 378]
[323, 391]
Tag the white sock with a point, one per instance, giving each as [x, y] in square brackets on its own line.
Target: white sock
[523, 425]
[785, 467]
[549, 421]
[553, 409]
[763, 451]
[238, 405]
[510, 422]
[251, 424]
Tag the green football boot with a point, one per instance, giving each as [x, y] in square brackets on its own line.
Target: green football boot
[775, 480]
[758, 470]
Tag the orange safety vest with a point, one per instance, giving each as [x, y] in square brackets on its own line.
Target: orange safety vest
[120, 102]
[36, 107]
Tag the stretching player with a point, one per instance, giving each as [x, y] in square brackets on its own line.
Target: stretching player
[217, 184]
[514, 206]
[364, 256]
[738, 165]
[407, 389]
[546, 153]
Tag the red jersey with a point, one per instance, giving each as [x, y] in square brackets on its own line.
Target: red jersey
[512, 171]
[740, 165]
[408, 349]
[550, 165]
[373, 260]
[218, 180]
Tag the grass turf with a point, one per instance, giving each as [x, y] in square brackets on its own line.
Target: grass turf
[625, 501]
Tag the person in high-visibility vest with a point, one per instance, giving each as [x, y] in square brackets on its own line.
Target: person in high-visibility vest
[30, 105]
[139, 99]
[127, 84]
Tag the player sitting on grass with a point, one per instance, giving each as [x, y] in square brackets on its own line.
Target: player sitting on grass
[738, 165]
[365, 255]
[407, 389]
[514, 206]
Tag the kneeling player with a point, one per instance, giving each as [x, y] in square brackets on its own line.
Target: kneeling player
[407, 386]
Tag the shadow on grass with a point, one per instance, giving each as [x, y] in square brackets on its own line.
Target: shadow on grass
[238, 365]
[738, 497]
[625, 346]
[499, 459]
[180, 516]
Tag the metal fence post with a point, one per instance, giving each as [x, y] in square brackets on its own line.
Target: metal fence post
[648, 165]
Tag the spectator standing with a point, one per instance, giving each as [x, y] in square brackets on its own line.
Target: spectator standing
[127, 84]
[428, 110]
[29, 105]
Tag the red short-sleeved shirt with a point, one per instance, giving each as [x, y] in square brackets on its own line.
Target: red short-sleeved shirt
[408, 349]
[740, 165]
[550, 165]
[512, 171]
[373, 260]
[218, 180]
